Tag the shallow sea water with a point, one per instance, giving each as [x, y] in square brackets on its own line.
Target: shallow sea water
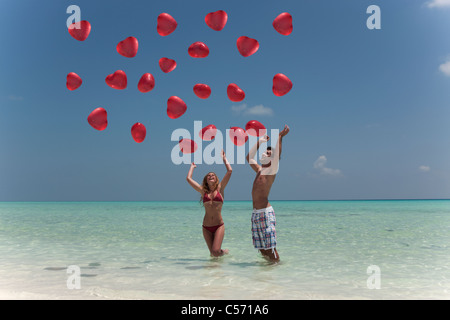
[156, 250]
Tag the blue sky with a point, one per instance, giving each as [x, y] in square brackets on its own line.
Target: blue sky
[369, 110]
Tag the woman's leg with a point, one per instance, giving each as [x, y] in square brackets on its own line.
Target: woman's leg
[216, 249]
[209, 238]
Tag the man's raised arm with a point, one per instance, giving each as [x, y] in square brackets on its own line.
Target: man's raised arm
[284, 132]
[251, 154]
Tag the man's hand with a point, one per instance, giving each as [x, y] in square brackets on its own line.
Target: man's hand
[285, 131]
[264, 138]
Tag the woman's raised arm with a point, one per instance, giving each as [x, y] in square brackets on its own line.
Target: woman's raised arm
[227, 176]
[194, 184]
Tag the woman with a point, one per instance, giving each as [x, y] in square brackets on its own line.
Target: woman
[212, 197]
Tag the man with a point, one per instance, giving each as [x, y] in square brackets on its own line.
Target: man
[263, 217]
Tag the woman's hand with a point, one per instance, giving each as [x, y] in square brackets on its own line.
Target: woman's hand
[191, 181]
[227, 176]
[224, 156]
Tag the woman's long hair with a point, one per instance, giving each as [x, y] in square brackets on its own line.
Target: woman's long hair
[205, 185]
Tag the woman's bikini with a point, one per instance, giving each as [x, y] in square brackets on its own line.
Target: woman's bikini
[217, 198]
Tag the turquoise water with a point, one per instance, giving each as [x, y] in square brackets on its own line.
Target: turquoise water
[155, 250]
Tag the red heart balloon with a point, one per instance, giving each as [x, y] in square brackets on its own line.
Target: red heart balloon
[73, 81]
[203, 91]
[146, 83]
[238, 136]
[166, 24]
[216, 20]
[98, 119]
[175, 107]
[281, 84]
[167, 65]
[128, 47]
[187, 146]
[247, 46]
[235, 93]
[138, 132]
[208, 133]
[255, 128]
[80, 30]
[117, 80]
[283, 24]
[198, 50]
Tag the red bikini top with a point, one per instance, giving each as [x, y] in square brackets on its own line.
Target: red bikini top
[217, 198]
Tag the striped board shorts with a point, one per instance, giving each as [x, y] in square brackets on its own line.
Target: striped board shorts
[263, 228]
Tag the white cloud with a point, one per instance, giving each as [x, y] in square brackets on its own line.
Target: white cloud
[445, 68]
[258, 110]
[320, 163]
[438, 3]
[424, 168]
[237, 110]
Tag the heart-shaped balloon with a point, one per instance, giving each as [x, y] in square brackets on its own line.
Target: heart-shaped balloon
[216, 20]
[166, 24]
[138, 132]
[146, 83]
[128, 47]
[283, 24]
[281, 84]
[73, 81]
[98, 119]
[198, 50]
[238, 136]
[208, 133]
[187, 146]
[175, 107]
[80, 30]
[235, 93]
[167, 65]
[247, 46]
[255, 128]
[203, 91]
[117, 80]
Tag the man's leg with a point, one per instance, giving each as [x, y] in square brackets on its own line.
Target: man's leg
[270, 254]
[270, 236]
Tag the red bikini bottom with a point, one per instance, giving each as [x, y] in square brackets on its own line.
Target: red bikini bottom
[213, 229]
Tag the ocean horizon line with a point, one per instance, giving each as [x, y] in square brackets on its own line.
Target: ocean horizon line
[228, 200]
